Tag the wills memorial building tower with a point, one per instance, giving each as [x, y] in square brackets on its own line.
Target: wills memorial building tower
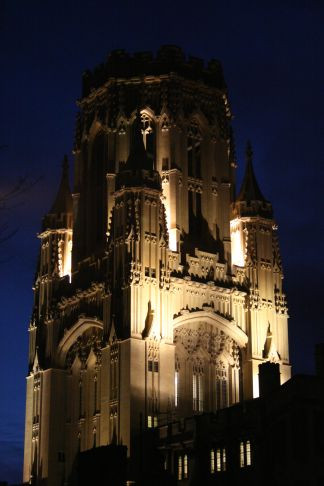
[158, 290]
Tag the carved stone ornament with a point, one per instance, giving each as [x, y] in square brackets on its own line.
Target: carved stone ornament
[212, 341]
[89, 340]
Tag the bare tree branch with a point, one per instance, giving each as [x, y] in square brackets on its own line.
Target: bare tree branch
[11, 198]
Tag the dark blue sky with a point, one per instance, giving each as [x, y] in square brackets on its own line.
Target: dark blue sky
[272, 54]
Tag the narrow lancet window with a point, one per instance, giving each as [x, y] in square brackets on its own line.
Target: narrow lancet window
[176, 388]
[212, 461]
[245, 453]
[197, 392]
[185, 466]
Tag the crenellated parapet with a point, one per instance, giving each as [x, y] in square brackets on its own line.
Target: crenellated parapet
[121, 64]
[174, 88]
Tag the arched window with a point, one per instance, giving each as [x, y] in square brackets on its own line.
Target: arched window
[194, 171]
[221, 387]
[194, 150]
[148, 135]
[176, 388]
[197, 389]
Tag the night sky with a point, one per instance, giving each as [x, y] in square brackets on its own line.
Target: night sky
[272, 55]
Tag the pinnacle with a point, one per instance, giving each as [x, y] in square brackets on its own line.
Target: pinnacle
[250, 190]
[65, 165]
[248, 152]
[63, 200]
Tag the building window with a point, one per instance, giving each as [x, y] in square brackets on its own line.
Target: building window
[242, 458]
[182, 467]
[113, 424]
[97, 181]
[80, 399]
[152, 421]
[194, 392]
[224, 459]
[176, 388]
[245, 453]
[150, 272]
[113, 376]
[224, 393]
[197, 392]
[153, 366]
[95, 393]
[148, 135]
[185, 466]
[212, 461]
[218, 460]
[221, 389]
[194, 158]
[248, 452]
[179, 468]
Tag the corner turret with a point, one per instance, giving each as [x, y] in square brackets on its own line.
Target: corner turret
[56, 235]
[54, 269]
[257, 266]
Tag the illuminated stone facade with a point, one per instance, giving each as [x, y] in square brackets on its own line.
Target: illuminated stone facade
[172, 293]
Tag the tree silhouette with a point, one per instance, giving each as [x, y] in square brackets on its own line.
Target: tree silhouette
[10, 198]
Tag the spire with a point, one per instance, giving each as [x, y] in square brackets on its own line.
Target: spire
[250, 190]
[250, 200]
[60, 215]
[138, 158]
[63, 200]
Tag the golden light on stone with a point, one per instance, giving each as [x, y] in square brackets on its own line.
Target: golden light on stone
[175, 289]
[237, 244]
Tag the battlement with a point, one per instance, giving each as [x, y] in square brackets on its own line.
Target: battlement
[121, 64]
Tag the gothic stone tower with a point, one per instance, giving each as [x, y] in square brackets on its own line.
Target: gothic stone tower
[171, 294]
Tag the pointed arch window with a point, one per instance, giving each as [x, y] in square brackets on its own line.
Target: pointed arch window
[197, 389]
[176, 383]
[81, 414]
[97, 188]
[148, 131]
[176, 388]
[114, 372]
[194, 150]
[221, 387]
[95, 395]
